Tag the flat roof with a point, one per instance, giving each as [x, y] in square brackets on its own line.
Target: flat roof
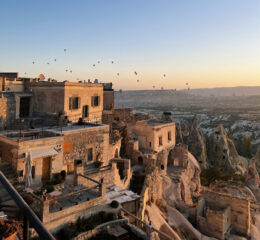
[64, 84]
[155, 122]
[114, 192]
[47, 131]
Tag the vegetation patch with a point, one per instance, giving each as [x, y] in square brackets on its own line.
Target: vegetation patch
[84, 224]
[213, 174]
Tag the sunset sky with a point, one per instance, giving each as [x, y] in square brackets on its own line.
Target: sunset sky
[208, 43]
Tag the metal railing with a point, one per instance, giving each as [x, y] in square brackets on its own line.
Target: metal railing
[30, 217]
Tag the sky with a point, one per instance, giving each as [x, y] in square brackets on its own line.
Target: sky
[205, 43]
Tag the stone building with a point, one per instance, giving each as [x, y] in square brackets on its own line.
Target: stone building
[219, 214]
[74, 100]
[55, 149]
[28, 99]
[14, 100]
[150, 139]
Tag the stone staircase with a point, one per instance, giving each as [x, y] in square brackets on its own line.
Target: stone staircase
[7, 204]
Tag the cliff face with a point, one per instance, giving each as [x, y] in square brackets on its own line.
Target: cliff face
[256, 159]
[222, 152]
[193, 136]
[182, 184]
[252, 177]
[197, 144]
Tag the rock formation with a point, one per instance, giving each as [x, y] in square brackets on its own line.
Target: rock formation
[193, 136]
[256, 159]
[179, 135]
[252, 176]
[182, 184]
[222, 152]
[196, 143]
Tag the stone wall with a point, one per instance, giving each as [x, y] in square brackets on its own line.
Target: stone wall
[124, 114]
[178, 156]
[41, 145]
[9, 151]
[47, 100]
[85, 92]
[14, 152]
[56, 220]
[240, 210]
[81, 140]
[7, 110]
[109, 175]
[108, 100]
[216, 222]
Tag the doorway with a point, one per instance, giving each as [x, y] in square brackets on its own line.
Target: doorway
[85, 111]
[24, 106]
[46, 168]
[140, 161]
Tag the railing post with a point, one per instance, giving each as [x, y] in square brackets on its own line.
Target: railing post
[25, 228]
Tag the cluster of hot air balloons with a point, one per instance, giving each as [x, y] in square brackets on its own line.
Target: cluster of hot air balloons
[68, 70]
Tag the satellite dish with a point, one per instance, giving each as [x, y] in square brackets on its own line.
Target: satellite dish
[41, 77]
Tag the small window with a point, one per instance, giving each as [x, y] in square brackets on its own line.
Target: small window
[95, 101]
[160, 141]
[150, 144]
[90, 154]
[74, 103]
[169, 136]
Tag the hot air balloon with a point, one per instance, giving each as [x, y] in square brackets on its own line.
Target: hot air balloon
[41, 77]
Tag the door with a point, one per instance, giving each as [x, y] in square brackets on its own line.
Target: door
[46, 168]
[24, 106]
[85, 111]
[70, 168]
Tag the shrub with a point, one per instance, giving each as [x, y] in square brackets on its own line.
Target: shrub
[114, 204]
[49, 187]
[213, 174]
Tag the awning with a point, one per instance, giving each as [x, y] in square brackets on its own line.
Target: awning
[44, 153]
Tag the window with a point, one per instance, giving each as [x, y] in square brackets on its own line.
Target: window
[150, 144]
[33, 172]
[160, 141]
[90, 154]
[169, 136]
[95, 101]
[74, 103]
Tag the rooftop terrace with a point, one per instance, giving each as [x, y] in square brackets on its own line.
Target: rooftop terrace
[46, 132]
